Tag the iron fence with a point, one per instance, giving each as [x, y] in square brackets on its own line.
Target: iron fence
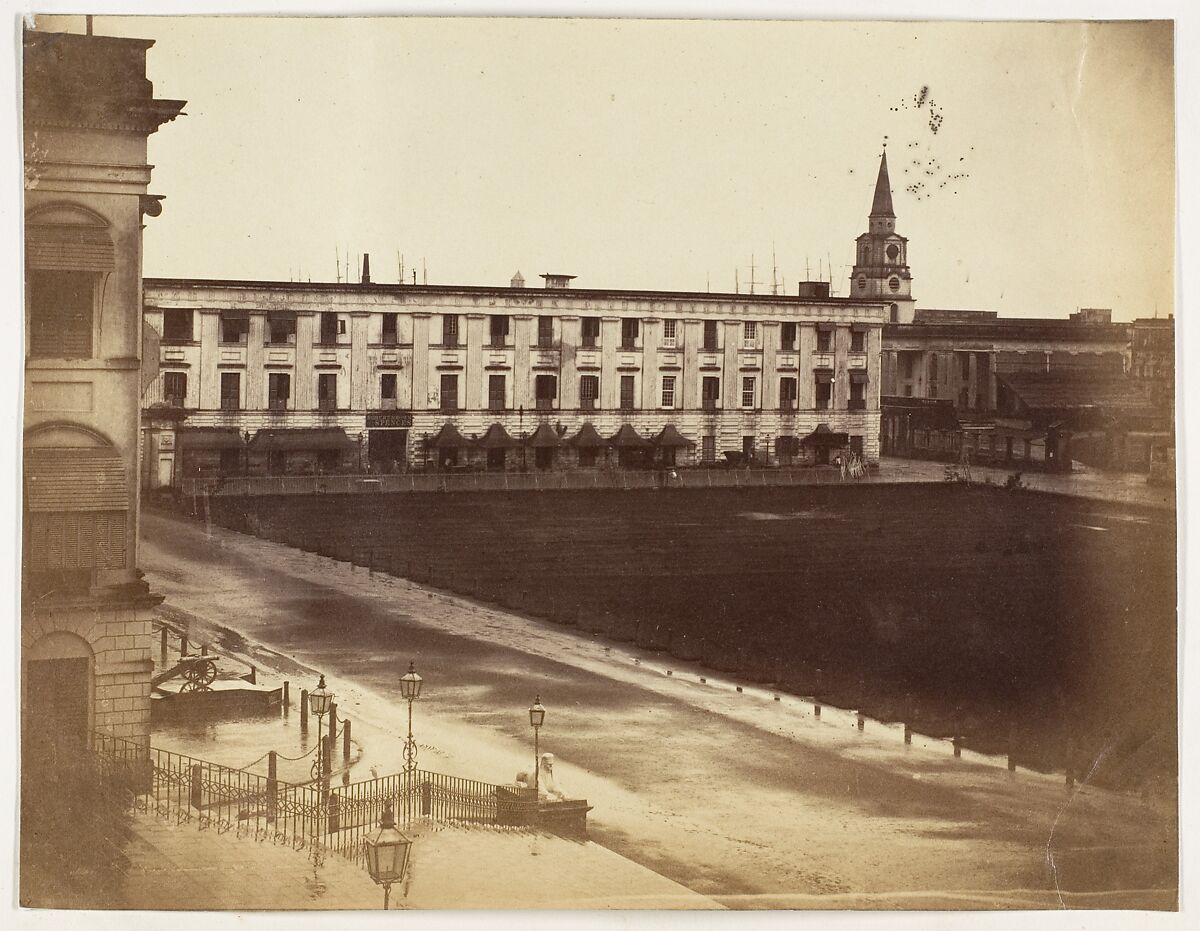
[317, 814]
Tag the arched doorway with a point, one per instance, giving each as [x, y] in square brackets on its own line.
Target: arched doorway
[58, 685]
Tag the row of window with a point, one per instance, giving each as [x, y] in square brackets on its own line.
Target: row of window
[178, 326]
[279, 391]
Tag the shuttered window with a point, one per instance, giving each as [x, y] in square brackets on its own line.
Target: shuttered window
[76, 540]
[76, 503]
[60, 314]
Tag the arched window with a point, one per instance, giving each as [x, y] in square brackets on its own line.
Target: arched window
[68, 254]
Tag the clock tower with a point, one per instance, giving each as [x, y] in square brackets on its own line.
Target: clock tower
[881, 256]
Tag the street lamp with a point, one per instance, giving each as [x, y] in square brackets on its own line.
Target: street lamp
[410, 688]
[387, 853]
[319, 700]
[537, 716]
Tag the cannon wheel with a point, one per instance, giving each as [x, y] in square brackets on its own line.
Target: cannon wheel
[200, 674]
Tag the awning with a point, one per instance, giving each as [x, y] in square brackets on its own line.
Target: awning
[209, 438]
[823, 436]
[587, 438]
[669, 437]
[628, 438]
[823, 376]
[858, 378]
[312, 439]
[448, 438]
[75, 480]
[497, 438]
[544, 437]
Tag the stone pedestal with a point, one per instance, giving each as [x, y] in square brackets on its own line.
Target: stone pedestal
[565, 817]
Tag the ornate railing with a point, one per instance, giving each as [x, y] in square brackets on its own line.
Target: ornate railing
[318, 814]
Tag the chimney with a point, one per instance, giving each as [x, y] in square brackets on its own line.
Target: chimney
[366, 272]
[557, 281]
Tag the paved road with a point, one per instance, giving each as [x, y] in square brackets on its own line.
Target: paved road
[752, 801]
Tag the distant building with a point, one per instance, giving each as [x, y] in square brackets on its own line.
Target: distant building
[85, 612]
[267, 377]
[1152, 357]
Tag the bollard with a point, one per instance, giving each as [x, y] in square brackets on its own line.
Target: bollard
[303, 710]
[194, 796]
[253, 676]
[183, 645]
[861, 720]
[907, 733]
[957, 743]
[334, 808]
[287, 701]
[326, 755]
[816, 710]
[333, 719]
[164, 647]
[346, 741]
[272, 786]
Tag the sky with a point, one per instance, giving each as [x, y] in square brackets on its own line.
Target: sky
[1032, 164]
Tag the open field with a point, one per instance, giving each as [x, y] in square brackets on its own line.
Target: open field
[1033, 623]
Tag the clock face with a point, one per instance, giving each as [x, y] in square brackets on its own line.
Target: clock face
[894, 284]
[893, 252]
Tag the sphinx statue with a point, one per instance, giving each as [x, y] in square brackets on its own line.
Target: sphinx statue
[547, 783]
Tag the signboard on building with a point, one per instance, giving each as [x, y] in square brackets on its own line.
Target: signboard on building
[390, 419]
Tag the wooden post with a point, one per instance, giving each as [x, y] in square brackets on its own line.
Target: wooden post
[346, 741]
[303, 710]
[287, 700]
[272, 786]
[183, 645]
[333, 718]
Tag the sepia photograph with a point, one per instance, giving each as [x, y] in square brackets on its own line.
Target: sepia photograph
[554, 463]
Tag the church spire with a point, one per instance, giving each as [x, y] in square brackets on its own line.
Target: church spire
[881, 206]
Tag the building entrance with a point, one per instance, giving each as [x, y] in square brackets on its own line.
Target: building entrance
[57, 694]
[387, 450]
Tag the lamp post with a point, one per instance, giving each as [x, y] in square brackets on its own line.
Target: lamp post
[410, 688]
[319, 700]
[387, 853]
[537, 716]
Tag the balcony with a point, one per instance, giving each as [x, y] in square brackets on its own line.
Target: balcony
[545, 341]
[628, 345]
[174, 400]
[856, 404]
[708, 404]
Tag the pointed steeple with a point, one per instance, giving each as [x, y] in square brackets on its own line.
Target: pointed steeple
[881, 206]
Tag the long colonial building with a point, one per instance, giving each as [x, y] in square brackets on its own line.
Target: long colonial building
[276, 377]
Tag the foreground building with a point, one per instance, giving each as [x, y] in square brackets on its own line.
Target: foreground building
[85, 613]
[273, 377]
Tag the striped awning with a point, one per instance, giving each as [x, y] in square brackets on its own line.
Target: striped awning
[75, 480]
[313, 439]
[544, 437]
[209, 438]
